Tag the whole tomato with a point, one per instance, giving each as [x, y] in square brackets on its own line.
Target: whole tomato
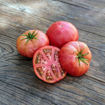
[47, 66]
[30, 41]
[75, 58]
[61, 32]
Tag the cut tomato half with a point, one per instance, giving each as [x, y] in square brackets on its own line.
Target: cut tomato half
[46, 64]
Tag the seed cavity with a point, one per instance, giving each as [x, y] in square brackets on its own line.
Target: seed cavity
[38, 59]
[43, 61]
[56, 56]
[61, 71]
[48, 53]
[49, 76]
[54, 69]
[44, 68]
[40, 71]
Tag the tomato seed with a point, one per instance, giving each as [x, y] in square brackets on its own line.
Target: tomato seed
[49, 78]
[43, 61]
[44, 68]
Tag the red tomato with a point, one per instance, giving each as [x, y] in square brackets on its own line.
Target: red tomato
[46, 64]
[30, 41]
[75, 58]
[61, 32]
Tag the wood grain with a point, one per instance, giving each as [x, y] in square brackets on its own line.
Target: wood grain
[18, 84]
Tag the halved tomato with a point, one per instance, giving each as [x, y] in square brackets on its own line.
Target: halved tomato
[46, 64]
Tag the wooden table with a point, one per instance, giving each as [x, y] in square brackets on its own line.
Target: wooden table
[18, 83]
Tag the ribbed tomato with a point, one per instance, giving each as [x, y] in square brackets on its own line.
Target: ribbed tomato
[30, 41]
[61, 32]
[46, 64]
[75, 58]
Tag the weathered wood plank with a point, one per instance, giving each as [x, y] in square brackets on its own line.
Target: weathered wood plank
[85, 3]
[82, 18]
[18, 84]
[70, 90]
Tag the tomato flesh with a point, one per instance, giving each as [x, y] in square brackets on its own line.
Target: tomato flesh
[46, 64]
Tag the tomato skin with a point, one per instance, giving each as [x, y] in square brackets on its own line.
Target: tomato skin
[48, 64]
[69, 61]
[61, 32]
[28, 48]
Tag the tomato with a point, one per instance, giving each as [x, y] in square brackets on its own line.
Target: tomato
[30, 41]
[75, 58]
[61, 32]
[46, 64]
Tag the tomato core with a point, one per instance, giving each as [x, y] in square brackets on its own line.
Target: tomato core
[81, 56]
[30, 36]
